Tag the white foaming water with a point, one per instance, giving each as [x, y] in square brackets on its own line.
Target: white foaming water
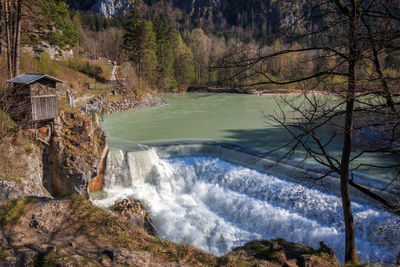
[215, 205]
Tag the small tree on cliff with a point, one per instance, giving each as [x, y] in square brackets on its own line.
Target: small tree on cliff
[355, 36]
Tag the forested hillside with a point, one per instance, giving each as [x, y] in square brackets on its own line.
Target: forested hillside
[184, 43]
[171, 45]
[257, 18]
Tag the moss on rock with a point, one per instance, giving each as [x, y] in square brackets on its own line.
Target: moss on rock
[279, 252]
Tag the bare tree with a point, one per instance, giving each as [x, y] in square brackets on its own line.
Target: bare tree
[11, 10]
[1, 27]
[357, 35]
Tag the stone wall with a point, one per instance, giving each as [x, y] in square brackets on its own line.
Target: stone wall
[109, 104]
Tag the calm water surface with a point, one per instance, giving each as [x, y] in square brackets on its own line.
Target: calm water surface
[224, 117]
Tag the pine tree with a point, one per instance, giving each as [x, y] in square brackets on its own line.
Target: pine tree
[52, 15]
[166, 39]
[139, 41]
[149, 48]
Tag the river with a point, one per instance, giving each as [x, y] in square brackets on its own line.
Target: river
[237, 118]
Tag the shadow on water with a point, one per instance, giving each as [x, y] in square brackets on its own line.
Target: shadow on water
[272, 138]
[266, 138]
[277, 139]
[202, 95]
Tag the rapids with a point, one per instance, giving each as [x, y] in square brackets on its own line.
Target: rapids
[215, 205]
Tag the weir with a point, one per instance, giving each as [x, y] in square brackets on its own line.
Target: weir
[216, 196]
[267, 162]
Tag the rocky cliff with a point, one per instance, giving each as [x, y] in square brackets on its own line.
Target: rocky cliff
[74, 155]
[71, 161]
[107, 7]
[27, 181]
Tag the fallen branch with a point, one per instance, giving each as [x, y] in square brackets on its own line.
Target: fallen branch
[42, 141]
[384, 202]
[152, 225]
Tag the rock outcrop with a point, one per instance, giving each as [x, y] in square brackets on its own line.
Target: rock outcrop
[74, 155]
[279, 252]
[133, 211]
[29, 185]
[108, 8]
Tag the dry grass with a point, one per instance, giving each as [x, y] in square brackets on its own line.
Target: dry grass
[277, 252]
[71, 71]
[115, 229]
[12, 148]
[11, 211]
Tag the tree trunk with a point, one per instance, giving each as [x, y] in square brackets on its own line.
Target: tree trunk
[350, 250]
[12, 21]
[1, 26]
[350, 247]
[17, 38]
[8, 37]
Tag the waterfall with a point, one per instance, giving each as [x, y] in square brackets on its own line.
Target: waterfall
[215, 205]
[127, 168]
[71, 100]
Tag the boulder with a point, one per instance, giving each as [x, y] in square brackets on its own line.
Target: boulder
[19, 257]
[133, 211]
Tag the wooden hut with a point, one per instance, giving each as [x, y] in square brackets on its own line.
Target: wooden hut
[34, 98]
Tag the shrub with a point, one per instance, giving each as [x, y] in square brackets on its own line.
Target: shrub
[7, 125]
[91, 70]
[47, 65]
[12, 210]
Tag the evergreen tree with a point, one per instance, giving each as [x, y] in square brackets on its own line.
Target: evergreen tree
[183, 63]
[166, 39]
[77, 24]
[149, 48]
[139, 41]
[53, 15]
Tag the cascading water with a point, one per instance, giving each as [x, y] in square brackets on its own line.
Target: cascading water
[215, 205]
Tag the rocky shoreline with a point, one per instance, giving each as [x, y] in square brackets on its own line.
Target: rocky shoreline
[206, 89]
[107, 104]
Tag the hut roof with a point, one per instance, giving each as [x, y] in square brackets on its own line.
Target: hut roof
[28, 78]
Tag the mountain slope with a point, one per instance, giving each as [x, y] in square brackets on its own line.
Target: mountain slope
[109, 8]
[258, 17]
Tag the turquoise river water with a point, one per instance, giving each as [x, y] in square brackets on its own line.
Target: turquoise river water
[234, 118]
